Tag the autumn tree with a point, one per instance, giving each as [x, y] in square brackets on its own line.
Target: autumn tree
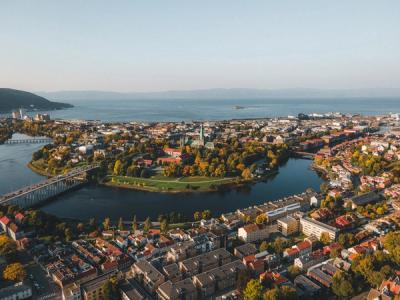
[14, 272]
[134, 224]
[164, 226]
[281, 293]
[206, 214]
[325, 238]
[197, 216]
[293, 271]
[120, 224]
[68, 234]
[253, 290]
[260, 219]
[106, 224]
[263, 246]
[7, 246]
[110, 289]
[346, 240]
[246, 173]
[342, 285]
[117, 167]
[147, 225]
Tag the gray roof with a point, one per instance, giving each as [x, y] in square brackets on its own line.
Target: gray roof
[366, 198]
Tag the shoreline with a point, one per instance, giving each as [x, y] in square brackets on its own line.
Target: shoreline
[38, 171]
[219, 188]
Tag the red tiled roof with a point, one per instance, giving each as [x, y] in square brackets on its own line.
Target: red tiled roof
[248, 259]
[303, 245]
[5, 220]
[19, 216]
[291, 251]
[250, 228]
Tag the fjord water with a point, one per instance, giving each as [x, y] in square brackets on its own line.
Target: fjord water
[100, 202]
[190, 109]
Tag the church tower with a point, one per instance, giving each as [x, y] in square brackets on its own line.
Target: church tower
[201, 137]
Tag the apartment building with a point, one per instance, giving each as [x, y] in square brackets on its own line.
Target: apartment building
[218, 279]
[253, 232]
[288, 225]
[204, 262]
[184, 289]
[147, 275]
[315, 228]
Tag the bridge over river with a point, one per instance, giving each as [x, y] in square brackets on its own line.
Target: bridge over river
[37, 193]
[29, 141]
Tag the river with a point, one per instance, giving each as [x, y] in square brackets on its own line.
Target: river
[100, 202]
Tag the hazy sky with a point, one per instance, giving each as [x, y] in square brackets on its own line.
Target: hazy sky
[162, 45]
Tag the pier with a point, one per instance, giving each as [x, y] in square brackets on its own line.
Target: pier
[29, 141]
[37, 193]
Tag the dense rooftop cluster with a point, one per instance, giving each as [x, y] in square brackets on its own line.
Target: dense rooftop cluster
[340, 242]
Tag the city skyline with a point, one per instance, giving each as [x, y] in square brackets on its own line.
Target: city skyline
[158, 46]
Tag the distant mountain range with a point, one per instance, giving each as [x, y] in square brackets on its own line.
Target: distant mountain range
[14, 99]
[220, 93]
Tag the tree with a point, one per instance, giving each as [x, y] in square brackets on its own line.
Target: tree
[197, 216]
[279, 245]
[293, 271]
[281, 293]
[80, 227]
[392, 244]
[134, 224]
[92, 223]
[346, 240]
[14, 272]
[206, 214]
[110, 290]
[68, 234]
[263, 246]
[246, 173]
[120, 224]
[164, 226]
[325, 238]
[106, 224]
[253, 290]
[243, 278]
[342, 285]
[324, 188]
[147, 225]
[7, 246]
[260, 219]
[117, 167]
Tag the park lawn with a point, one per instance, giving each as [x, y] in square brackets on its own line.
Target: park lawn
[169, 184]
[199, 179]
[163, 178]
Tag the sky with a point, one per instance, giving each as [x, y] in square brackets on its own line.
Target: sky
[182, 45]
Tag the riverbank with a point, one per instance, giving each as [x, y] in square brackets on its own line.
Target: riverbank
[171, 185]
[38, 170]
[181, 185]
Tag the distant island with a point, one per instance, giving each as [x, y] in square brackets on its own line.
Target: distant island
[11, 99]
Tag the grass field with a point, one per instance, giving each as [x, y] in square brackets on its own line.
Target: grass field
[161, 183]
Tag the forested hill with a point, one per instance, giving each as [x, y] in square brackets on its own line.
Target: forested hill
[14, 99]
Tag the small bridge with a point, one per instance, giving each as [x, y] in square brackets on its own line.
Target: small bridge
[307, 155]
[37, 193]
[29, 141]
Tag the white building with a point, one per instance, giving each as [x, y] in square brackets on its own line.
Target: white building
[252, 233]
[315, 228]
[17, 291]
